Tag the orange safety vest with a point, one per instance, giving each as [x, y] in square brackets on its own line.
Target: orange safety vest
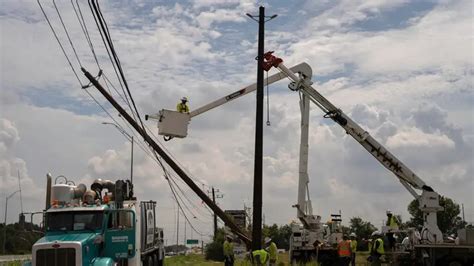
[344, 248]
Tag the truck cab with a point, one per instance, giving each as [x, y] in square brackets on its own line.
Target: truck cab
[84, 228]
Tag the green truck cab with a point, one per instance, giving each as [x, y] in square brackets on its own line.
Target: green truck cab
[98, 227]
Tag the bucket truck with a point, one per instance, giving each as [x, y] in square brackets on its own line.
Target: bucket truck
[429, 248]
[173, 124]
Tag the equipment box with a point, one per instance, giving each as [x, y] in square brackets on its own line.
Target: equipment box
[173, 123]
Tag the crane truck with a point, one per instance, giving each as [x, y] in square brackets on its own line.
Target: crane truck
[104, 225]
[173, 124]
[314, 238]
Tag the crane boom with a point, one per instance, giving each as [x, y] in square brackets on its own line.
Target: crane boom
[429, 199]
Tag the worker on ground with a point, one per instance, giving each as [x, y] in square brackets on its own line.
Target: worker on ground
[182, 106]
[376, 250]
[393, 224]
[353, 248]
[272, 251]
[344, 251]
[260, 257]
[228, 251]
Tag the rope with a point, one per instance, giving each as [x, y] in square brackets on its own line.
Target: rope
[268, 103]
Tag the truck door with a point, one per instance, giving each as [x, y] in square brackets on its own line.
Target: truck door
[120, 234]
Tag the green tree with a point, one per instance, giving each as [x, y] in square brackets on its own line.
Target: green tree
[279, 234]
[448, 219]
[214, 250]
[363, 229]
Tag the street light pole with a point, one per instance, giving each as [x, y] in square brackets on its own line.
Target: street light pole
[129, 137]
[5, 223]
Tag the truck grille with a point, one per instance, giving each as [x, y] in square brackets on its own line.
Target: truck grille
[56, 257]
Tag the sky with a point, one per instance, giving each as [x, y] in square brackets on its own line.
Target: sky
[401, 69]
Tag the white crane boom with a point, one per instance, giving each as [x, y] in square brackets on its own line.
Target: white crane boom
[429, 199]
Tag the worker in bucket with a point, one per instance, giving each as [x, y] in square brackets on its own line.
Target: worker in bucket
[393, 224]
[353, 248]
[376, 250]
[228, 251]
[182, 106]
[272, 251]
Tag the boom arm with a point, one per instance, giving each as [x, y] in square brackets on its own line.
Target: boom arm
[429, 199]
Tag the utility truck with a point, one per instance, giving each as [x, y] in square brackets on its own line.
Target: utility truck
[104, 225]
[313, 239]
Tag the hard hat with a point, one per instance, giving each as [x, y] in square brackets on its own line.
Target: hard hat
[352, 235]
[184, 99]
[267, 240]
[389, 212]
[229, 237]
[376, 233]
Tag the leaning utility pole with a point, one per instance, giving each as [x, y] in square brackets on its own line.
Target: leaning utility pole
[167, 158]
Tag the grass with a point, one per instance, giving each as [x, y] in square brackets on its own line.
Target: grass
[197, 259]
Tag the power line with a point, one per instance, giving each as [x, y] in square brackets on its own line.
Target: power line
[82, 22]
[59, 42]
[106, 32]
[67, 34]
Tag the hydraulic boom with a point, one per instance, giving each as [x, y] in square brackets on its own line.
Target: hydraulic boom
[429, 199]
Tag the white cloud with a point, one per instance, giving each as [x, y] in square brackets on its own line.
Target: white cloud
[383, 79]
[416, 138]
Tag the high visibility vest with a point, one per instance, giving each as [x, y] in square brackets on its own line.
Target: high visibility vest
[182, 108]
[272, 251]
[377, 248]
[393, 222]
[353, 245]
[263, 255]
[344, 248]
[228, 248]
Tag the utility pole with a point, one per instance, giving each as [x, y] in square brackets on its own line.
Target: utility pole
[215, 217]
[177, 231]
[5, 223]
[258, 169]
[184, 242]
[214, 196]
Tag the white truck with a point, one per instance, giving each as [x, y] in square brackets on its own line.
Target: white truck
[429, 249]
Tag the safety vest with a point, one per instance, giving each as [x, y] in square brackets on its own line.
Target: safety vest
[344, 248]
[377, 248]
[272, 251]
[393, 222]
[182, 108]
[353, 246]
[263, 255]
[228, 248]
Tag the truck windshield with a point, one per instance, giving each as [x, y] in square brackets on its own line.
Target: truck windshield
[74, 221]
